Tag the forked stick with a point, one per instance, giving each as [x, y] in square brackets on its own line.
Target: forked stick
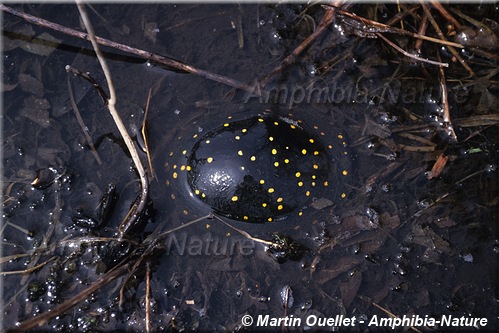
[111, 105]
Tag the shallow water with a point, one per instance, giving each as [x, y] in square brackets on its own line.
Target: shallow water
[398, 240]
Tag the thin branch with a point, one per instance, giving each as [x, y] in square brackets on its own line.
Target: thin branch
[386, 28]
[148, 297]
[168, 62]
[446, 14]
[42, 319]
[326, 21]
[407, 54]
[82, 124]
[445, 101]
[441, 35]
[127, 223]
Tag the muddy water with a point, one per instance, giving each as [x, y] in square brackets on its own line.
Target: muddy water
[410, 245]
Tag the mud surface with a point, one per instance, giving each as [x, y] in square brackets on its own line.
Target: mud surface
[396, 240]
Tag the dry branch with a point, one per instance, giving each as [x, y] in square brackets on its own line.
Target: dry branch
[168, 62]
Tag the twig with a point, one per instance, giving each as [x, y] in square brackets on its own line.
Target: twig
[168, 62]
[438, 6]
[244, 233]
[422, 30]
[148, 296]
[445, 101]
[441, 35]
[127, 223]
[43, 318]
[407, 54]
[326, 21]
[81, 123]
[29, 270]
[143, 131]
[390, 29]
[391, 314]
[89, 78]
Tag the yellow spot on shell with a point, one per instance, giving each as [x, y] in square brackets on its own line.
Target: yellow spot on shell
[311, 140]
[264, 204]
[182, 167]
[195, 136]
[279, 199]
[292, 126]
[307, 193]
[298, 174]
[260, 120]
[276, 123]
[226, 125]
[280, 207]
[262, 181]
[303, 151]
[300, 213]
[344, 172]
[244, 130]
[173, 196]
[274, 151]
[269, 219]
[313, 183]
[340, 136]
[209, 159]
[207, 141]
[203, 195]
[208, 226]
[300, 183]
[326, 184]
[253, 158]
[242, 167]
[271, 190]
[234, 198]
[343, 195]
[174, 166]
[238, 137]
[197, 192]
[240, 153]
[286, 160]
[186, 212]
[316, 153]
[184, 152]
[271, 138]
[171, 154]
[316, 166]
[175, 175]
[276, 164]
[245, 218]
[188, 168]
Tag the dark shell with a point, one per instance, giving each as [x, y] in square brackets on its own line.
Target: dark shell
[258, 169]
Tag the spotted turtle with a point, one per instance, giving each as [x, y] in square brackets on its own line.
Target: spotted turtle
[262, 168]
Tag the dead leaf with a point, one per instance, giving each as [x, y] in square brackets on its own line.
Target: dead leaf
[42, 45]
[31, 85]
[340, 266]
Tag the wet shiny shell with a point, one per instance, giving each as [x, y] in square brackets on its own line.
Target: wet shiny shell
[259, 169]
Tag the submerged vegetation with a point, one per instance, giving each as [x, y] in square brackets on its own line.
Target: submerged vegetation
[99, 231]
